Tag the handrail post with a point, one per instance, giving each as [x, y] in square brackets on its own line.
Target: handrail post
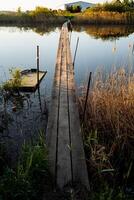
[76, 50]
[38, 64]
[87, 92]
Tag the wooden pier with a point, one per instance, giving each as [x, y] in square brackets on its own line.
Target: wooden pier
[64, 140]
[30, 80]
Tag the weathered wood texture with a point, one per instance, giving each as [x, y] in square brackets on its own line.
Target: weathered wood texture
[64, 140]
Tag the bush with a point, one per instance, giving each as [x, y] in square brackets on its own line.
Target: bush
[41, 11]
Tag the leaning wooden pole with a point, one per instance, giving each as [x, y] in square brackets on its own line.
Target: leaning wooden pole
[38, 65]
[86, 99]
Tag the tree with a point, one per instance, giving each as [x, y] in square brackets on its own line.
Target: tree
[19, 10]
[74, 8]
[129, 2]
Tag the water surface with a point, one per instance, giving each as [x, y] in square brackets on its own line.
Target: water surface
[99, 47]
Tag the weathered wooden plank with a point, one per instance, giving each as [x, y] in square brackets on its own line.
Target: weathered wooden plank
[77, 150]
[30, 80]
[52, 127]
[64, 175]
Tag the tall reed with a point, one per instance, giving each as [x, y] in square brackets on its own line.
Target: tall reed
[109, 126]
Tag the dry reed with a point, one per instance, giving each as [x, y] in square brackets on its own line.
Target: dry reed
[109, 124]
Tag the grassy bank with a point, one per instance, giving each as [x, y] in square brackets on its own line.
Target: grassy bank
[109, 134]
[39, 15]
[58, 17]
[26, 19]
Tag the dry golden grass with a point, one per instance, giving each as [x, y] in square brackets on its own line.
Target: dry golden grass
[104, 17]
[109, 122]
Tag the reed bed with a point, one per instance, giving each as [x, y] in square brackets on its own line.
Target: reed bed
[109, 128]
[104, 18]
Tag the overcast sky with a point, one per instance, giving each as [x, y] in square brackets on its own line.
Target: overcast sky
[31, 4]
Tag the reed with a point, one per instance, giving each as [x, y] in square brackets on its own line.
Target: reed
[104, 17]
[109, 127]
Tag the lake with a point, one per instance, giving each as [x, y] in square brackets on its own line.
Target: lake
[99, 47]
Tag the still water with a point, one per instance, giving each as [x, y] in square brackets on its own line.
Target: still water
[99, 47]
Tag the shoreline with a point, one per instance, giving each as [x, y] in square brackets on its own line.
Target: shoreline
[91, 18]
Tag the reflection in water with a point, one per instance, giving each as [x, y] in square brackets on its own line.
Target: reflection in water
[106, 32]
[23, 117]
[107, 47]
[98, 47]
[133, 49]
[41, 29]
[44, 29]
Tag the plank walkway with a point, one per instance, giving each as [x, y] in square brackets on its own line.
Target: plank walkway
[64, 140]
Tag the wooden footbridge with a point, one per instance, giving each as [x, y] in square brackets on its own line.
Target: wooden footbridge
[64, 140]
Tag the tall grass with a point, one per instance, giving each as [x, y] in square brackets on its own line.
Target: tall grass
[40, 14]
[104, 17]
[109, 128]
[48, 16]
[30, 178]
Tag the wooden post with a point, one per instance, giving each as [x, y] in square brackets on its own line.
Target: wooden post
[70, 37]
[76, 50]
[38, 65]
[88, 86]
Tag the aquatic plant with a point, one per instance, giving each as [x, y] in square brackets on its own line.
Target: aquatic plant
[15, 82]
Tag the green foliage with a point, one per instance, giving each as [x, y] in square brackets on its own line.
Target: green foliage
[19, 10]
[13, 187]
[74, 8]
[14, 82]
[41, 11]
[116, 6]
[27, 181]
[106, 193]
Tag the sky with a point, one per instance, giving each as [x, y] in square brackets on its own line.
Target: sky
[31, 4]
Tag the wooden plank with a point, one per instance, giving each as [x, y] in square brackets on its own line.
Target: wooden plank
[78, 157]
[51, 136]
[64, 175]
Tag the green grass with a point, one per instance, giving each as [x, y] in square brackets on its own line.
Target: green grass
[29, 179]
